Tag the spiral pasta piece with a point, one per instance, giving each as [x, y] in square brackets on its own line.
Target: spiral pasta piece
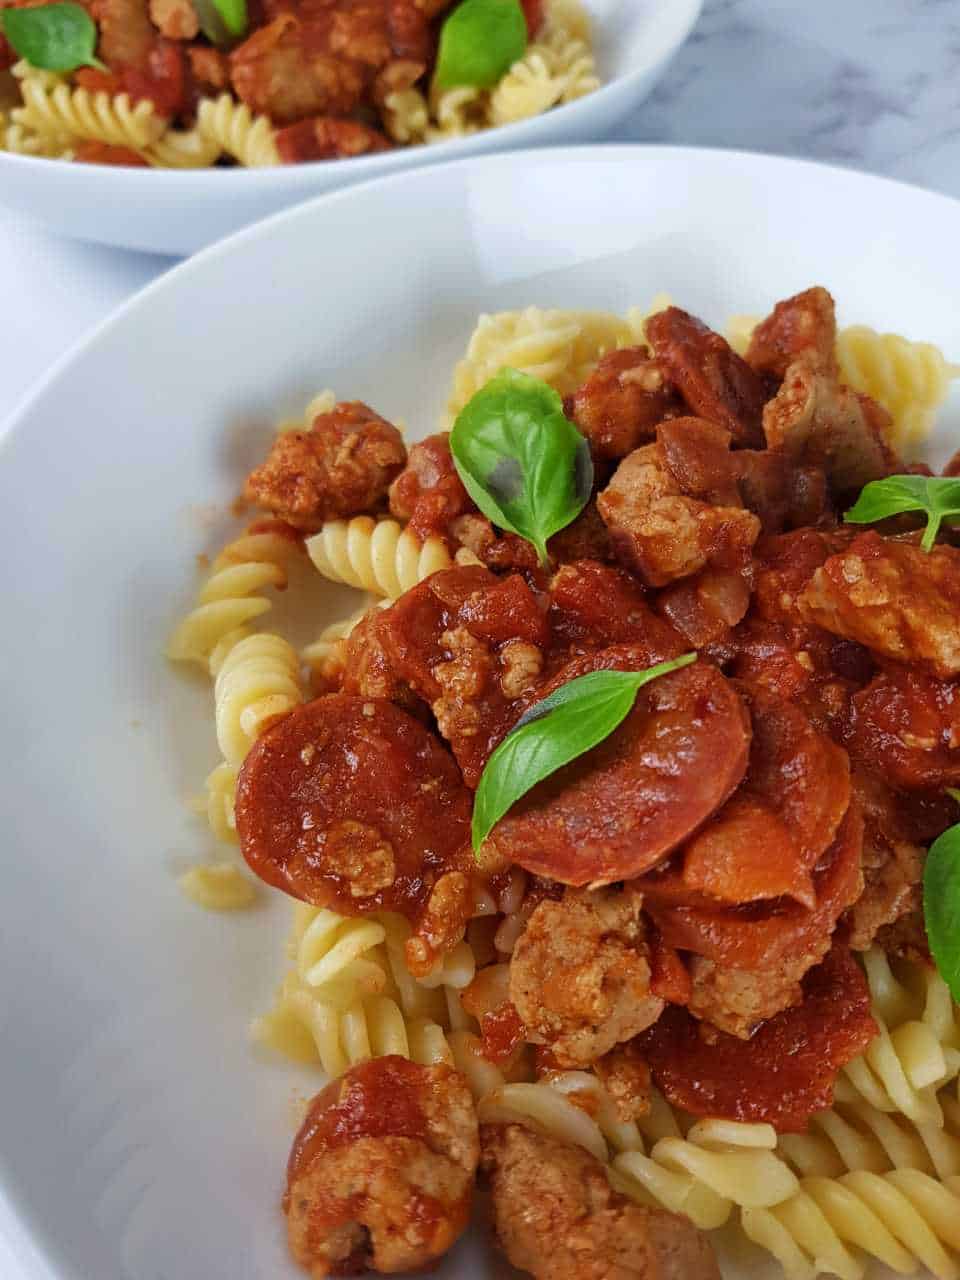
[529, 88]
[20, 140]
[406, 116]
[230, 598]
[182, 149]
[901, 1218]
[571, 60]
[257, 682]
[221, 790]
[249, 139]
[376, 555]
[561, 348]
[218, 886]
[53, 107]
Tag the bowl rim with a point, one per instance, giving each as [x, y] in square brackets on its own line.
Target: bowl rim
[679, 16]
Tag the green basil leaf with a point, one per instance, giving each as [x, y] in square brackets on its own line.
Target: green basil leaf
[524, 464]
[479, 42]
[556, 730]
[941, 906]
[53, 37]
[937, 496]
[222, 21]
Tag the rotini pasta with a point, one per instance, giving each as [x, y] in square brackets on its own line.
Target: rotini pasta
[901, 1218]
[230, 598]
[183, 149]
[55, 108]
[221, 788]
[529, 88]
[21, 141]
[376, 555]
[219, 886]
[249, 139]
[257, 681]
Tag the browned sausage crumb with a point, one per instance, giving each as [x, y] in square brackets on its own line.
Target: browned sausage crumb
[557, 1217]
[344, 464]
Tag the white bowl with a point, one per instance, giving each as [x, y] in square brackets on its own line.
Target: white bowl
[180, 212]
[140, 1136]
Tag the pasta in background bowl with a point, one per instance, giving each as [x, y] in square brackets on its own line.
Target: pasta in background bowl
[130, 1081]
[572, 85]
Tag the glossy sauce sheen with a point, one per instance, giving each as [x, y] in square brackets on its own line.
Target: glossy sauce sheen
[352, 804]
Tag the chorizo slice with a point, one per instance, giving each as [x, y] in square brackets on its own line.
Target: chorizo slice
[621, 403]
[352, 804]
[618, 810]
[906, 727]
[765, 842]
[594, 605]
[760, 935]
[804, 325]
[786, 1071]
[381, 1172]
[713, 380]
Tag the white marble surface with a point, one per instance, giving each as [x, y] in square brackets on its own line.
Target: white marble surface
[870, 83]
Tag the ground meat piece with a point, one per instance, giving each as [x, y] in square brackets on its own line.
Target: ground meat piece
[804, 325]
[290, 70]
[428, 494]
[381, 1173]
[353, 805]
[343, 465]
[663, 534]
[786, 1071]
[209, 68]
[892, 866]
[816, 421]
[766, 840]
[453, 639]
[175, 19]
[906, 727]
[585, 538]
[557, 1217]
[626, 1078]
[622, 807]
[898, 600]
[736, 1001]
[328, 138]
[580, 975]
[126, 34]
[713, 380]
[906, 937]
[783, 567]
[621, 403]
[782, 494]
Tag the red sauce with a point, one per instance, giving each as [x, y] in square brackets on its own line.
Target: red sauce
[502, 1031]
[786, 1071]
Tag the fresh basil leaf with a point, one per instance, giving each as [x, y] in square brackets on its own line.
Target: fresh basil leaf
[222, 21]
[953, 793]
[524, 464]
[572, 720]
[941, 906]
[479, 41]
[53, 37]
[936, 496]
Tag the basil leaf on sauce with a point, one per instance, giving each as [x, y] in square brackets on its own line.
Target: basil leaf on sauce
[222, 21]
[941, 905]
[556, 730]
[479, 42]
[53, 37]
[524, 464]
[936, 496]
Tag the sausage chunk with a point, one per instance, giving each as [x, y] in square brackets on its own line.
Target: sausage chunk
[816, 421]
[428, 493]
[713, 380]
[905, 726]
[342, 465]
[127, 36]
[352, 804]
[661, 506]
[622, 807]
[893, 597]
[381, 1173]
[327, 138]
[737, 1001]
[621, 403]
[580, 974]
[557, 1217]
[802, 326]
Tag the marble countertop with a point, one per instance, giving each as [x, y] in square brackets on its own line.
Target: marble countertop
[869, 83]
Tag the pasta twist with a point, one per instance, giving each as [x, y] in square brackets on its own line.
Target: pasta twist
[18, 140]
[910, 379]
[221, 789]
[901, 1218]
[219, 886]
[183, 149]
[559, 347]
[376, 555]
[529, 88]
[52, 107]
[230, 597]
[571, 60]
[257, 682]
[406, 116]
[456, 112]
[249, 139]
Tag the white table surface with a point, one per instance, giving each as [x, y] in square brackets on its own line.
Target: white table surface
[869, 83]
[874, 84]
